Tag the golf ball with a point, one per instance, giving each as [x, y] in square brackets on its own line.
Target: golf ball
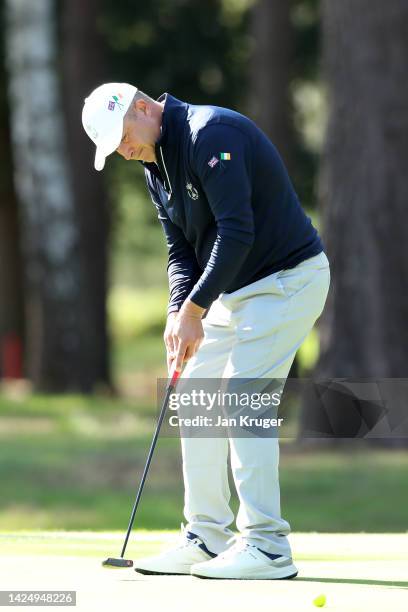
[320, 601]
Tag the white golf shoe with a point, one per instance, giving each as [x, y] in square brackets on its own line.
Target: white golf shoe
[246, 562]
[178, 560]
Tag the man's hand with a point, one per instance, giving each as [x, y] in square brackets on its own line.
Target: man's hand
[169, 340]
[183, 334]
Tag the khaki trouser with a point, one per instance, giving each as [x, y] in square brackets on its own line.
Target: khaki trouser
[253, 333]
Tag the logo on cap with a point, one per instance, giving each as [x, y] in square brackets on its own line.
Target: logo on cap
[115, 101]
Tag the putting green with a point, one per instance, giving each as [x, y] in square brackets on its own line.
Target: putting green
[356, 572]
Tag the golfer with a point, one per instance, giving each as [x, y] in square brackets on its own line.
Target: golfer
[248, 278]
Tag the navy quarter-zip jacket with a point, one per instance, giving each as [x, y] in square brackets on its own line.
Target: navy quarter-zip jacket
[227, 206]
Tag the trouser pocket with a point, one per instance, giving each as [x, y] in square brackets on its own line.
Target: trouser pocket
[293, 280]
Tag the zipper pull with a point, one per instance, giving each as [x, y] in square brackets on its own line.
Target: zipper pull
[166, 176]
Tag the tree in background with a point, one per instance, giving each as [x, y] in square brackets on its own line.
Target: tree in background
[11, 302]
[83, 68]
[271, 73]
[56, 321]
[194, 49]
[364, 187]
[284, 44]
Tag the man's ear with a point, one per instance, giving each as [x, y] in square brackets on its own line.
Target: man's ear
[141, 106]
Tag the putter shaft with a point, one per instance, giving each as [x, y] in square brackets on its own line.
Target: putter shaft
[169, 390]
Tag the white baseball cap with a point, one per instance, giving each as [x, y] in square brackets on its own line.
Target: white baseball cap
[102, 117]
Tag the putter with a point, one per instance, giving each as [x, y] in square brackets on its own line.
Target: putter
[120, 562]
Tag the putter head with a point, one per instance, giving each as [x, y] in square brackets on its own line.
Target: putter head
[113, 563]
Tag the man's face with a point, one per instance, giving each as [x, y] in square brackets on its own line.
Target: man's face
[140, 132]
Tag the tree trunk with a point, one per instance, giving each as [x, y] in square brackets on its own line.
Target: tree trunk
[11, 296]
[83, 65]
[364, 189]
[271, 73]
[11, 303]
[49, 233]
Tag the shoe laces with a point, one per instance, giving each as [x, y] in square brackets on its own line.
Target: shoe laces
[239, 547]
[184, 541]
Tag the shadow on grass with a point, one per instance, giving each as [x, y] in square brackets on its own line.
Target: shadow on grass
[386, 583]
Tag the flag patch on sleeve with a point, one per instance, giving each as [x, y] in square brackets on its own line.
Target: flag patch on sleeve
[225, 155]
[213, 162]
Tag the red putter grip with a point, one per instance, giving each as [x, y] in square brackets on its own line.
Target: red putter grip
[174, 378]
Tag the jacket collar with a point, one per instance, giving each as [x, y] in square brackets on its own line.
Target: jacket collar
[173, 118]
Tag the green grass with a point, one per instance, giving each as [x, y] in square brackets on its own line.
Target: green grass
[145, 355]
[71, 481]
[333, 491]
[309, 547]
[81, 544]
[137, 318]
[74, 463]
[136, 312]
